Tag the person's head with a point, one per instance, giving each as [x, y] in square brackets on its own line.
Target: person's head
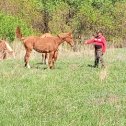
[99, 33]
[95, 35]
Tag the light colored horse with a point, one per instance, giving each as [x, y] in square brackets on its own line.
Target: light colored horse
[5, 49]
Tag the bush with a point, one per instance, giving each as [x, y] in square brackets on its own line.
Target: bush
[8, 26]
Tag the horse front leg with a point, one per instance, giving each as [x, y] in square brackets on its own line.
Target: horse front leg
[50, 61]
[55, 55]
[54, 58]
[27, 58]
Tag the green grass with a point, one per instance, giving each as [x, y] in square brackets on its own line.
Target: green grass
[72, 94]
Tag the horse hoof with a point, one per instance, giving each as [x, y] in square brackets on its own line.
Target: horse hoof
[27, 66]
[50, 67]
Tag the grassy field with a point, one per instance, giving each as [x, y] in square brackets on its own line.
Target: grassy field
[72, 94]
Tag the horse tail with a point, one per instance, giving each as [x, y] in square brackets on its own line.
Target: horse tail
[19, 34]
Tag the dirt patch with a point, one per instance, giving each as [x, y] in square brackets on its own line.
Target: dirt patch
[103, 74]
[73, 66]
[111, 99]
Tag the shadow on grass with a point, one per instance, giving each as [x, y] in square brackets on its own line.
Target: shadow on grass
[40, 63]
[92, 66]
[39, 67]
[44, 66]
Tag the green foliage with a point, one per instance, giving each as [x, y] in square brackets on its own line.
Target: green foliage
[59, 15]
[80, 16]
[120, 16]
[8, 26]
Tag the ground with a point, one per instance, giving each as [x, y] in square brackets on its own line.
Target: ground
[72, 94]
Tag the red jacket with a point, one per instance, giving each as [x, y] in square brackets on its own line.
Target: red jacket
[99, 41]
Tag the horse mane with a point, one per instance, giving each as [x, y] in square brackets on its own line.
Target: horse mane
[46, 35]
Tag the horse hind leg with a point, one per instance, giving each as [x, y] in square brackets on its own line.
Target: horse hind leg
[44, 58]
[26, 59]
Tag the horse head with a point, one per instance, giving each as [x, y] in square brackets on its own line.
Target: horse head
[67, 37]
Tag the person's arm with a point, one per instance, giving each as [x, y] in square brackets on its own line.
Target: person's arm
[89, 41]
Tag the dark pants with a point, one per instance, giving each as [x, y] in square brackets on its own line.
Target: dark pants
[99, 58]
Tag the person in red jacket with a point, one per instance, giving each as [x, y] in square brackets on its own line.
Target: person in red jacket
[99, 42]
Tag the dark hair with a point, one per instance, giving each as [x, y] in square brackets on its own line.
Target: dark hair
[95, 35]
[99, 32]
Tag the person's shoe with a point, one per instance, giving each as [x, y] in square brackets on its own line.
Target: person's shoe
[103, 66]
[94, 66]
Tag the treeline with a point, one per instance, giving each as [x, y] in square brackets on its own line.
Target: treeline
[82, 17]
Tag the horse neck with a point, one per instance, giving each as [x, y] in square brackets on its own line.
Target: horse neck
[59, 40]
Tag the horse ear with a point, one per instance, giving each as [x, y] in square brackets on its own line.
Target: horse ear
[59, 36]
[69, 33]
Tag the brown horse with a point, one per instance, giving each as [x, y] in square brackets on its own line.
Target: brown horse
[45, 55]
[5, 49]
[44, 45]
